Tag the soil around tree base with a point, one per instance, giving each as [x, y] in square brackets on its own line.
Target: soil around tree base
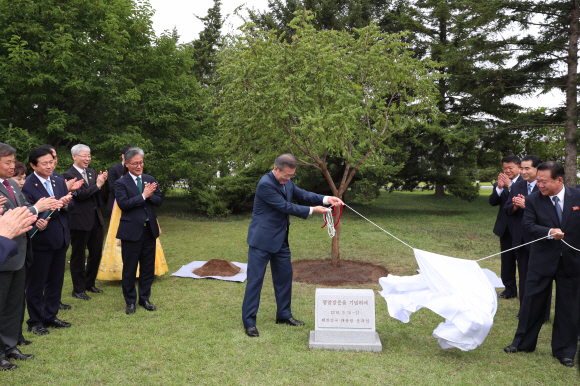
[324, 273]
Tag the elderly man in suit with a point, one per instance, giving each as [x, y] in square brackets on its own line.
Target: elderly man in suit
[137, 194]
[554, 211]
[85, 223]
[115, 172]
[49, 245]
[504, 225]
[13, 271]
[268, 239]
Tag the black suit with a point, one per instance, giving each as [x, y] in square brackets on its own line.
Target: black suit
[86, 231]
[138, 232]
[552, 260]
[115, 172]
[46, 275]
[13, 277]
[503, 229]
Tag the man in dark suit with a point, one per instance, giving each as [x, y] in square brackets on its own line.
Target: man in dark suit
[13, 271]
[115, 172]
[49, 245]
[268, 239]
[515, 207]
[85, 223]
[137, 194]
[503, 223]
[554, 212]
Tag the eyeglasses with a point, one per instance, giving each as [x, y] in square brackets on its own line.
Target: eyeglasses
[289, 176]
[83, 155]
[136, 164]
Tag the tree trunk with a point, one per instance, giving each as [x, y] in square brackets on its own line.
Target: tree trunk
[439, 189]
[571, 127]
[335, 252]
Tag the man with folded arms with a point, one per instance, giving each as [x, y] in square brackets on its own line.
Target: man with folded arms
[49, 245]
[554, 212]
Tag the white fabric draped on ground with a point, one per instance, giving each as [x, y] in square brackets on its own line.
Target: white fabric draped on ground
[455, 289]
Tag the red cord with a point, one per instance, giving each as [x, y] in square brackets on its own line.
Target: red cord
[334, 215]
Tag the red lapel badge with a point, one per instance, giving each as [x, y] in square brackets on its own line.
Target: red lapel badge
[576, 208]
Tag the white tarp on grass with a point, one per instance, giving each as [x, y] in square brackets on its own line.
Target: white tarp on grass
[186, 271]
[456, 289]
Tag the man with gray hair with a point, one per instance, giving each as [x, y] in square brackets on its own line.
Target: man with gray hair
[268, 239]
[85, 223]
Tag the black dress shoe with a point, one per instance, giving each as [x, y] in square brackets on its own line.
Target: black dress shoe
[503, 295]
[81, 295]
[38, 330]
[147, 305]
[511, 349]
[252, 332]
[57, 323]
[568, 362]
[130, 310]
[17, 354]
[24, 342]
[290, 321]
[64, 307]
[95, 290]
[5, 364]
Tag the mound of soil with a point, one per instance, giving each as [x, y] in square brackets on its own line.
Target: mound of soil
[324, 273]
[217, 267]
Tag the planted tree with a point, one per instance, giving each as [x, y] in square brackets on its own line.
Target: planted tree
[326, 94]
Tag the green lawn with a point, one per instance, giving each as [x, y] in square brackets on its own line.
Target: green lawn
[196, 336]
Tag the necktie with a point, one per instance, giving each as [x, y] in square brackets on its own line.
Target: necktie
[139, 184]
[85, 176]
[9, 188]
[558, 209]
[529, 188]
[48, 188]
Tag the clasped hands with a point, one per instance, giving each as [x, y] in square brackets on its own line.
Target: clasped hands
[332, 201]
[503, 180]
[149, 189]
[519, 201]
[15, 222]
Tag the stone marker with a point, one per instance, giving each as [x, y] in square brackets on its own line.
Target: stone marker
[345, 320]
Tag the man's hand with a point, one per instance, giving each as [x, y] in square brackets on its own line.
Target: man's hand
[2, 201]
[101, 178]
[519, 201]
[41, 223]
[556, 233]
[65, 200]
[503, 180]
[73, 184]
[320, 209]
[16, 221]
[334, 201]
[47, 204]
[149, 189]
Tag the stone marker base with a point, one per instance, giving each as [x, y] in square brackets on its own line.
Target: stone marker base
[341, 340]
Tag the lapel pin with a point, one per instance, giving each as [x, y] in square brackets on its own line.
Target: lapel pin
[35, 184]
[576, 208]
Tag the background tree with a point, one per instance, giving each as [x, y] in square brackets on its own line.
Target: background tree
[325, 94]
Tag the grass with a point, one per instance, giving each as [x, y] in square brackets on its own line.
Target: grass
[196, 336]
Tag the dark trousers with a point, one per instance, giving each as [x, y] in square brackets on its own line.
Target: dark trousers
[533, 311]
[281, 267]
[20, 336]
[11, 303]
[92, 240]
[508, 264]
[523, 258]
[44, 285]
[142, 253]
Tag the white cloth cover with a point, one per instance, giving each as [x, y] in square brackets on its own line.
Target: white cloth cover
[455, 289]
[185, 271]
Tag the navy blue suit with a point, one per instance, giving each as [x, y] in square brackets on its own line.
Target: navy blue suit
[46, 274]
[503, 229]
[138, 232]
[8, 248]
[551, 260]
[268, 241]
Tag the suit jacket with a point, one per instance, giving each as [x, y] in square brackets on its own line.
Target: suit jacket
[272, 210]
[55, 235]
[519, 235]
[135, 208]
[87, 201]
[8, 248]
[503, 222]
[24, 250]
[115, 172]
[539, 217]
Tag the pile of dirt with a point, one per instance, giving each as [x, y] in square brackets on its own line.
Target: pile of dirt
[324, 273]
[217, 267]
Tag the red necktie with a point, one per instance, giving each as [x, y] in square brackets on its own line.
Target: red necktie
[5, 182]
